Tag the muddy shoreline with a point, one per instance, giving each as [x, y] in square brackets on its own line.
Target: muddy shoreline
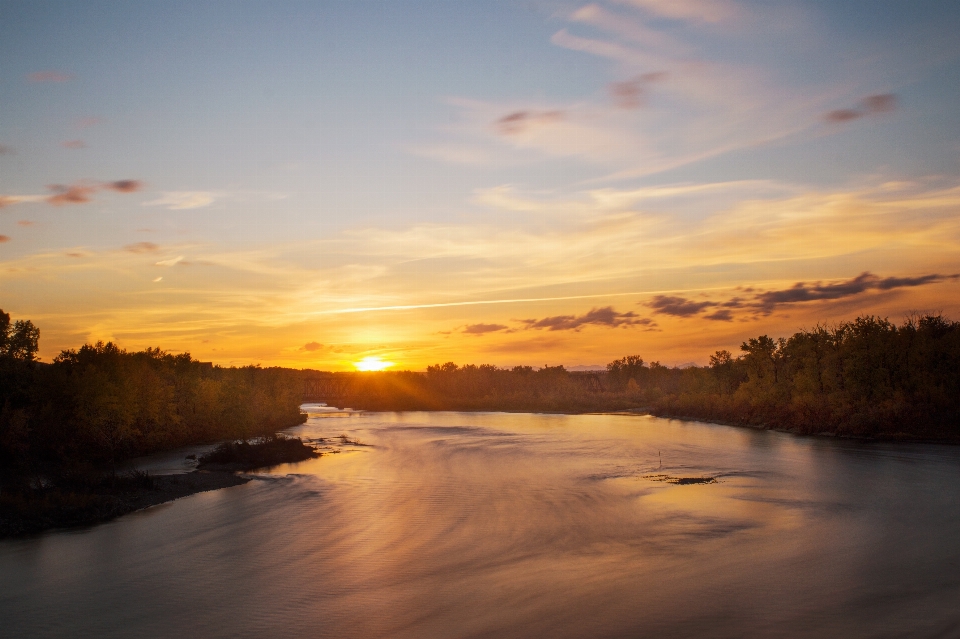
[60, 510]
[72, 504]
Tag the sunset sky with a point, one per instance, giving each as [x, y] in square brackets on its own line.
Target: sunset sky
[309, 184]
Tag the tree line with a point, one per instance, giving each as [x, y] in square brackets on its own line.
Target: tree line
[866, 377]
[99, 404]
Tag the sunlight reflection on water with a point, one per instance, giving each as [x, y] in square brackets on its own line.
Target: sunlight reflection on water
[519, 525]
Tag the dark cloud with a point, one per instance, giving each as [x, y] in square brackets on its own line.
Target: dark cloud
[480, 329]
[4, 238]
[605, 316]
[312, 346]
[124, 186]
[803, 292]
[842, 115]
[723, 315]
[73, 144]
[48, 76]
[76, 194]
[141, 247]
[870, 105]
[897, 282]
[678, 306]
[520, 121]
[765, 302]
[632, 94]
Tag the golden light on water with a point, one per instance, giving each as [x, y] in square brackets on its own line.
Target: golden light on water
[372, 364]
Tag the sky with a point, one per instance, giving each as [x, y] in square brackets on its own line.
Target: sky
[535, 182]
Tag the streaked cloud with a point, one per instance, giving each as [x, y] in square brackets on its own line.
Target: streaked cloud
[804, 292]
[82, 192]
[481, 329]
[688, 10]
[181, 200]
[73, 144]
[72, 194]
[605, 316]
[765, 302]
[49, 76]
[123, 186]
[141, 247]
[870, 105]
[677, 306]
[632, 94]
[520, 121]
[722, 315]
[170, 262]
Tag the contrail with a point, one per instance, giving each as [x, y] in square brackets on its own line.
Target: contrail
[515, 300]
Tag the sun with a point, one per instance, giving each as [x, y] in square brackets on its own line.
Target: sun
[372, 364]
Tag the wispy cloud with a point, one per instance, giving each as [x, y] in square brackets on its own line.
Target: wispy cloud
[73, 144]
[680, 98]
[181, 200]
[4, 238]
[632, 94]
[78, 193]
[689, 10]
[72, 194]
[48, 76]
[141, 247]
[123, 186]
[520, 121]
[6, 150]
[870, 105]
[310, 347]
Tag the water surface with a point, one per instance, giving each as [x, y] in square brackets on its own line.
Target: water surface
[518, 525]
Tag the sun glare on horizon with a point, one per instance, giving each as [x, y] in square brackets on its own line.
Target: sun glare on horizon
[372, 364]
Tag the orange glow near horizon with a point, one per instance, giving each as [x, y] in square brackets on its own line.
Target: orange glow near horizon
[372, 364]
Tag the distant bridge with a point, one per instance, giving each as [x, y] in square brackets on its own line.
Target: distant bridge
[328, 388]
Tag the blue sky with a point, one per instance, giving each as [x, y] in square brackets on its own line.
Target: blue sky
[292, 163]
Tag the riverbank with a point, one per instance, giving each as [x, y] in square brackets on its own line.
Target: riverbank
[87, 500]
[880, 437]
[26, 513]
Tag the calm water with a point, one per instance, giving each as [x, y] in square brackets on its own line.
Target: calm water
[494, 525]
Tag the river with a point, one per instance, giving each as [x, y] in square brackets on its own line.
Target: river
[522, 525]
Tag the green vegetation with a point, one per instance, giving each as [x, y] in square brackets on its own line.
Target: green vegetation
[865, 378]
[259, 453]
[63, 424]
